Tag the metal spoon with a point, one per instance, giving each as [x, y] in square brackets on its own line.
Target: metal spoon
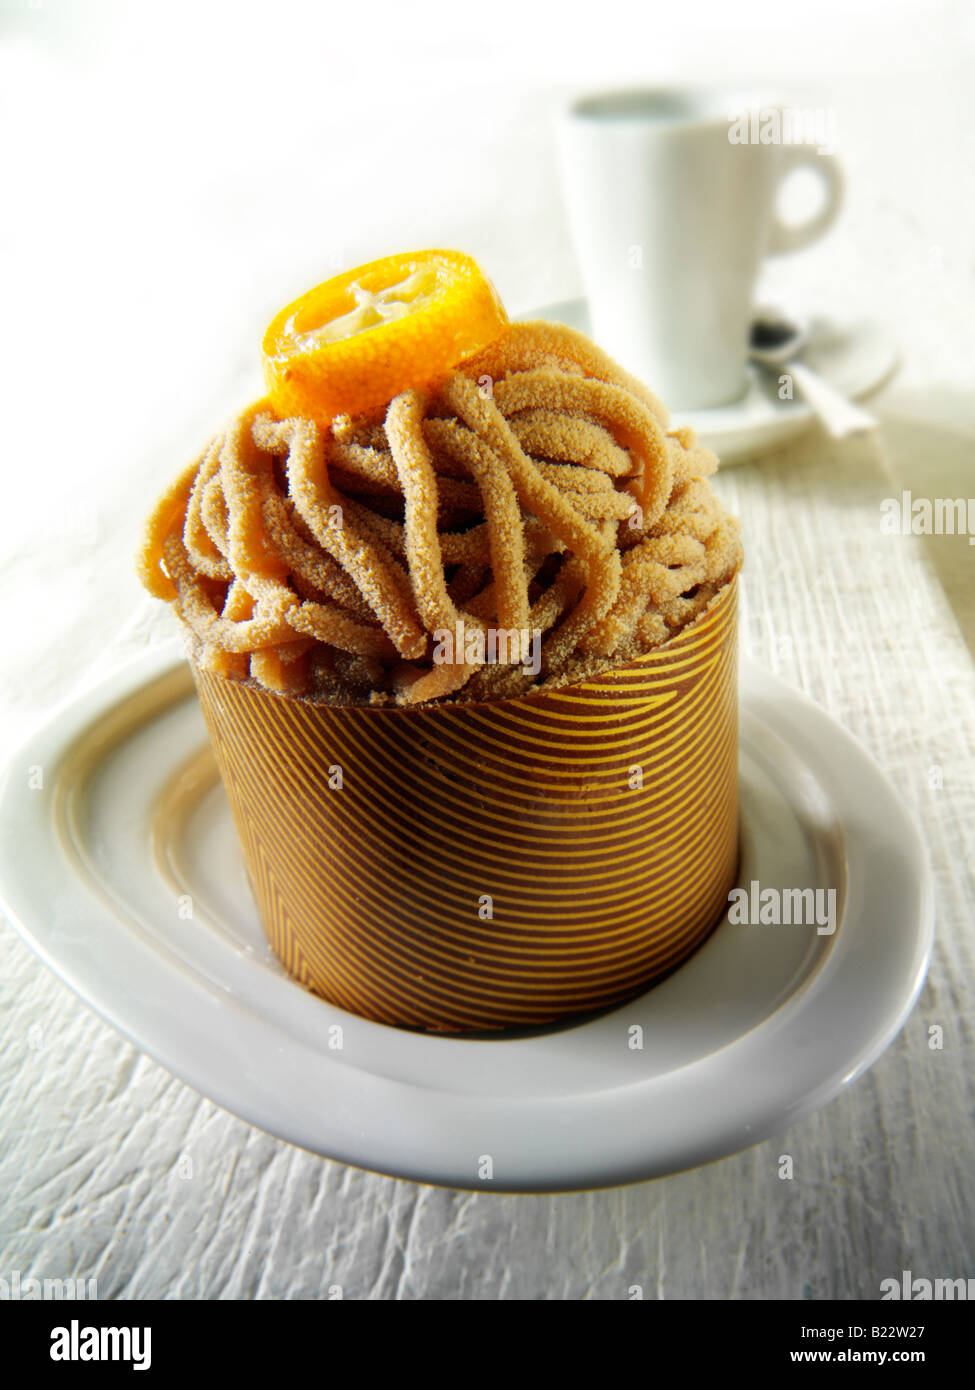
[776, 342]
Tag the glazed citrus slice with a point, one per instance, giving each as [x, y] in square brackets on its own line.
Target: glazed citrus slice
[359, 339]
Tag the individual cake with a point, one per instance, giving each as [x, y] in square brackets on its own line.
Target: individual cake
[461, 614]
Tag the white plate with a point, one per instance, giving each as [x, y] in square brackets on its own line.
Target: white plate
[856, 357]
[130, 831]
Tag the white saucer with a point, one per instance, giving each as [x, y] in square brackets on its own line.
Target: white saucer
[856, 357]
[130, 833]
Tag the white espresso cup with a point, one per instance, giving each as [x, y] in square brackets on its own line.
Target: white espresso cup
[672, 202]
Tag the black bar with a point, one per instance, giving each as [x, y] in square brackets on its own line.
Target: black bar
[251, 1337]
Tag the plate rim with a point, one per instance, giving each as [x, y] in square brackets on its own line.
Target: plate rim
[411, 1159]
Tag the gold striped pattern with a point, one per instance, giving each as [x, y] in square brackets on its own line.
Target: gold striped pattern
[489, 865]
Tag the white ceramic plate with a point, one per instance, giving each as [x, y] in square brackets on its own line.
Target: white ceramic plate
[856, 357]
[130, 833]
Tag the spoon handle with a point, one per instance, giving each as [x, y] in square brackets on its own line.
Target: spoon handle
[838, 415]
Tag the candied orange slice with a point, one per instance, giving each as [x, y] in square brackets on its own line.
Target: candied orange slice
[359, 339]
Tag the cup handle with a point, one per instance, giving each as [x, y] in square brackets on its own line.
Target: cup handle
[793, 236]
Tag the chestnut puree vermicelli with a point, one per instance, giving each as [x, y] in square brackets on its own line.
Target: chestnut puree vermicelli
[535, 488]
